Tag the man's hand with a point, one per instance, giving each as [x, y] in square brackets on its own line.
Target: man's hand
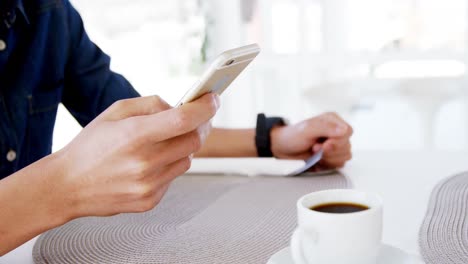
[126, 158]
[327, 131]
[123, 161]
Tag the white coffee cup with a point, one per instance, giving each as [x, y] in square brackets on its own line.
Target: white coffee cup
[337, 238]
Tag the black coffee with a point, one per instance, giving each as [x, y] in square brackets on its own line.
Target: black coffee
[339, 208]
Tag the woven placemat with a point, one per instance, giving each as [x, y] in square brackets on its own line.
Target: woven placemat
[443, 237]
[202, 219]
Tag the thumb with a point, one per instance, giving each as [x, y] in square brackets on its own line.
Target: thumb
[134, 107]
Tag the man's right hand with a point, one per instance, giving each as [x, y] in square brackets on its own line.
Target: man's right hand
[126, 158]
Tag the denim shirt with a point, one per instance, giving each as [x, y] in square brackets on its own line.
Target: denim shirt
[46, 58]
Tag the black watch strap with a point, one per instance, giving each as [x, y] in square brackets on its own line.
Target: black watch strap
[262, 133]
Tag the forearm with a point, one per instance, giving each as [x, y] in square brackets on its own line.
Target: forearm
[229, 143]
[29, 204]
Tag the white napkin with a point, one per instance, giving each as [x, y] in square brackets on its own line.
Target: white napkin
[256, 166]
[245, 166]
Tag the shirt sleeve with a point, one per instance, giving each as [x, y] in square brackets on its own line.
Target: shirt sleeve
[90, 85]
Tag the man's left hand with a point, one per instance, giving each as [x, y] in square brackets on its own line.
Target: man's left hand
[300, 141]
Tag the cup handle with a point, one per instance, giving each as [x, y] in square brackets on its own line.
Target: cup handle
[296, 247]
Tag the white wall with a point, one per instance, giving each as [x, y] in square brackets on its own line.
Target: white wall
[395, 69]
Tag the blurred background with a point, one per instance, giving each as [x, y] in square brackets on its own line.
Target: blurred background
[395, 69]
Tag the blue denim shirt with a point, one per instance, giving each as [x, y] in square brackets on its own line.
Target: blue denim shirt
[46, 58]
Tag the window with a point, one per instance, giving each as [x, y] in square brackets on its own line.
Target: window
[157, 45]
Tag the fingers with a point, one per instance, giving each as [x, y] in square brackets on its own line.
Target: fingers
[134, 107]
[175, 169]
[317, 147]
[181, 146]
[342, 129]
[157, 187]
[337, 146]
[149, 192]
[327, 125]
[336, 152]
[176, 121]
[335, 162]
[146, 202]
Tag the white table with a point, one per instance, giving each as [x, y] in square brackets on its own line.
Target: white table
[404, 179]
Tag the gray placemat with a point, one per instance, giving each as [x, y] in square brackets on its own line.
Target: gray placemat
[443, 237]
[202, 219]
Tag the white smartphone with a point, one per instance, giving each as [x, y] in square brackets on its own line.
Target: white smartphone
[224, 69]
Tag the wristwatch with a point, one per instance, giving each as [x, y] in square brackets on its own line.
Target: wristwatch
[263, 131]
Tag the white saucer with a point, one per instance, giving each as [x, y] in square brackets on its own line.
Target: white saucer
[388, 255]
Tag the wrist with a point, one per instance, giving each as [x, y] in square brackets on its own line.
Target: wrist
[32, 203]
[58, 196]
[275, 136]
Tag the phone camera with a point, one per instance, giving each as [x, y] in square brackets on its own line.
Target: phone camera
[230, 62]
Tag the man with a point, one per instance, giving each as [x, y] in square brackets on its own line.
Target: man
[129, 151]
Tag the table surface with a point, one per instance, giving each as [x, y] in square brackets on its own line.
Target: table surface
[404, 179]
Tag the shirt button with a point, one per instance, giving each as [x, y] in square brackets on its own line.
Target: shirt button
[2, 45]
[11, 155]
